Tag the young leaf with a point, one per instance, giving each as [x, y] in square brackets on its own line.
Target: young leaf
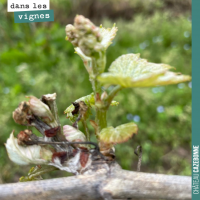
[170, 78]
[73, 135]
[40, 109]
[107, 35]
[119, 134]
[114, 103]
[36, 172]
[131, 71]
[25, 155]
[89, 101]
[86, 60]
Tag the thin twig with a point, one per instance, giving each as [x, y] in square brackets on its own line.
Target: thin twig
[138, 152]
[63, 142]
[86, 130]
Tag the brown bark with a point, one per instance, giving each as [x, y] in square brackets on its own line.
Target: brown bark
[116, 184]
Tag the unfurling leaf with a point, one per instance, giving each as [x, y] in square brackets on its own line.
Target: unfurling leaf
[26, 155]
[36, 172]
[132, 71]
[86, 60]
[89, 38]
[119, 134]
[74, 135]
[114, 103]
[107, 35]
[89, 100]
[40, 109]
[85, 35]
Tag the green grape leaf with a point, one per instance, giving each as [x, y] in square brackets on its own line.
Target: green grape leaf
[119, 134]
[107, 35]
[89, 101]
[114, 103]
[131, 71]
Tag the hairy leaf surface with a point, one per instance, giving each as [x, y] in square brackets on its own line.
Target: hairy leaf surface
[25, 155]
[107, 35]
[131, 71]
[119, 134]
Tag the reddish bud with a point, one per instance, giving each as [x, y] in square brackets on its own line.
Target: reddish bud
[23, 137]
[52, 131]
[61, 155]
[84, 158]
[98, 98]
[75, 151]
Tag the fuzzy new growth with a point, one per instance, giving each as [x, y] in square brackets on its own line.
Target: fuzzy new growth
[68, 151]
[67, 148]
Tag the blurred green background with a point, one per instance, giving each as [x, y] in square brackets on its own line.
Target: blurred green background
[35, 59]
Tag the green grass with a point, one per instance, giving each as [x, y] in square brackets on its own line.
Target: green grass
[36, 60]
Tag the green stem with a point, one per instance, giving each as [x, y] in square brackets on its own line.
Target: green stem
[101, 119]
[98, 66]
[95, 84]
[87, 133]
[44, 170]
[111, 95]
